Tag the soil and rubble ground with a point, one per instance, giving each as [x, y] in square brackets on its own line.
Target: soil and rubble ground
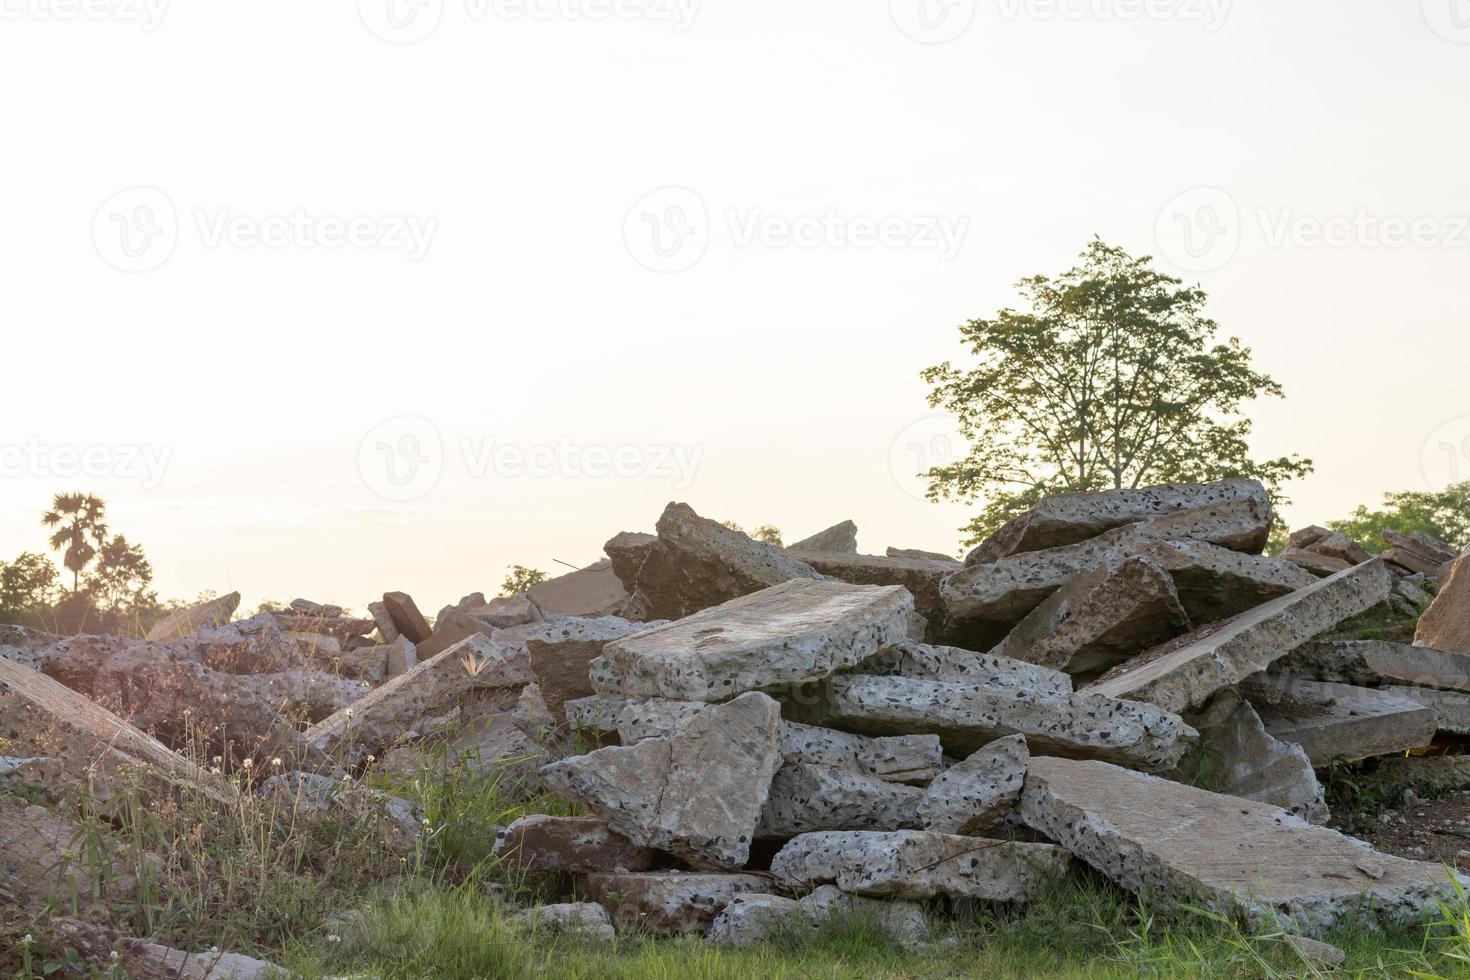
[1114, 740]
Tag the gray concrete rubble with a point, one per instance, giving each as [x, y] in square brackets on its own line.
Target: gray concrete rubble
[805, 798]
[406, 616]
[215, 612]
[1238, 757]
[916, 865]
[1371, 663]
[670, 903]
[921, 576]
[589, 592]
[1099, 619]
[753, 919]
[568, 845]
[1185, 672]
[923, 661]
[1339, 721]
[1175, 844]
[397, 822]
[1216, 583]
[1430, 772]
[797, 631]
[586, 919]
[1445, 625]
[1426, 546]
[1068, 518]
[1318, 564]
[1451, 708]
[967, 715]
[837, 539]
[697, 793]
[935, 556]
[561, 652]
[974, 796]
[694, 563]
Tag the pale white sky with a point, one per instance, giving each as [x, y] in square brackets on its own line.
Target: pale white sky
[330, 314]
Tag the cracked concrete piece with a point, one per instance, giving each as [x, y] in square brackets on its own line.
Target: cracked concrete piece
[968, 715]
[1068, 518]
[797, 631]
[214, 613]
[697, 794]
[1175, 844]
[1185, 672]
[585, 918]
[569, 845]
[669, 903]
[562, 650]
[406, 616]
[593, 592]
[749, 920]
[805, 798]
[1374, 662]
[973, 796]
[921, 576]
[940, 663]
[1445, 625]
[837, 539]
[1216, 583]
[1451, 708]
[1100, 618]
[916, 864]
[1243, 759]
[1319, 565]
[752, 919]
[1338, 720]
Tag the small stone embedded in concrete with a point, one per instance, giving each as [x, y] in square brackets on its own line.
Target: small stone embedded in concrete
[1175, 844]
[916, 865]
[794, 632]
[697, 794]
[669, 903]
[1339, 721]
[967, 715]
[974, 796]
[1184, 673]
[568, 845]
[806, 798]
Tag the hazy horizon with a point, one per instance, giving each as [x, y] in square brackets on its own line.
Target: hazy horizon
[356, 303]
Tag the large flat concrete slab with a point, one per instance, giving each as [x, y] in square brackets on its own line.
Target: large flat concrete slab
[1340, 721]
[1378, 662]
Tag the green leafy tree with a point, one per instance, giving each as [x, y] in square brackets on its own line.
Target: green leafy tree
[81, 529]
[1444, 514]
[769, 533]
[28, 585]
[1110, 377]
[119, 581]
[519, 579]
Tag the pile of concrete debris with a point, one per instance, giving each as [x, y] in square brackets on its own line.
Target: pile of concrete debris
[1120, 679]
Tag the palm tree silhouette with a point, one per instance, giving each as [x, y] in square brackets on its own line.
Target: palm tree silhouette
[78, 519]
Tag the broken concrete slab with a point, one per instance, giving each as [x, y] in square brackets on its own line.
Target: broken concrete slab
[154, 960]
[1185, 672]
[967, 715]
[797, 631]
[561, 651]
[1412, 562]
[1445, 625]
[973, 796]
[921, 576]
[1175, 844]
[1451, 708]
[401, 656]
[942, 663]
[806, 798]
[402, 707]
[1339, 721]
[215, 612]
[695, 563]
[1065, 519]
[343, 628]
[1431, 772]
[916, 865]
[586, 919]
[752, 919]
[697, 794]
[749, 920]
[1319, 565]
[1372, 663]
[1334, 544]
[1238, 757]
[936, 556]
[1216, 583]
[670, 903]
[386, 628]
[1426, 546]
[406, 616]
[588, 592]
[838, 538]
[397, 822]
[568, 845]
[1099, 619]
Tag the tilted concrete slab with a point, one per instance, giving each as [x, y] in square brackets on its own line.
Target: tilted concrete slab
[1177, 845]
[1339, 721]
[1215, 583]
[807, 798]
[839, 538]
[1377, 662]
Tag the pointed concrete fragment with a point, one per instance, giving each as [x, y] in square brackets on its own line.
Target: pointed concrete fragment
[1184, 673]
[1101, 618]
[973, 796]
[1177, 845]
[806, 798]
[1339, 721]
[916, 864]
[1371, 663]
[216, 612]
[697, 794]
[1216, 583]
[968, 715]
[798, 631]
[839, 538]
[1068, 518]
